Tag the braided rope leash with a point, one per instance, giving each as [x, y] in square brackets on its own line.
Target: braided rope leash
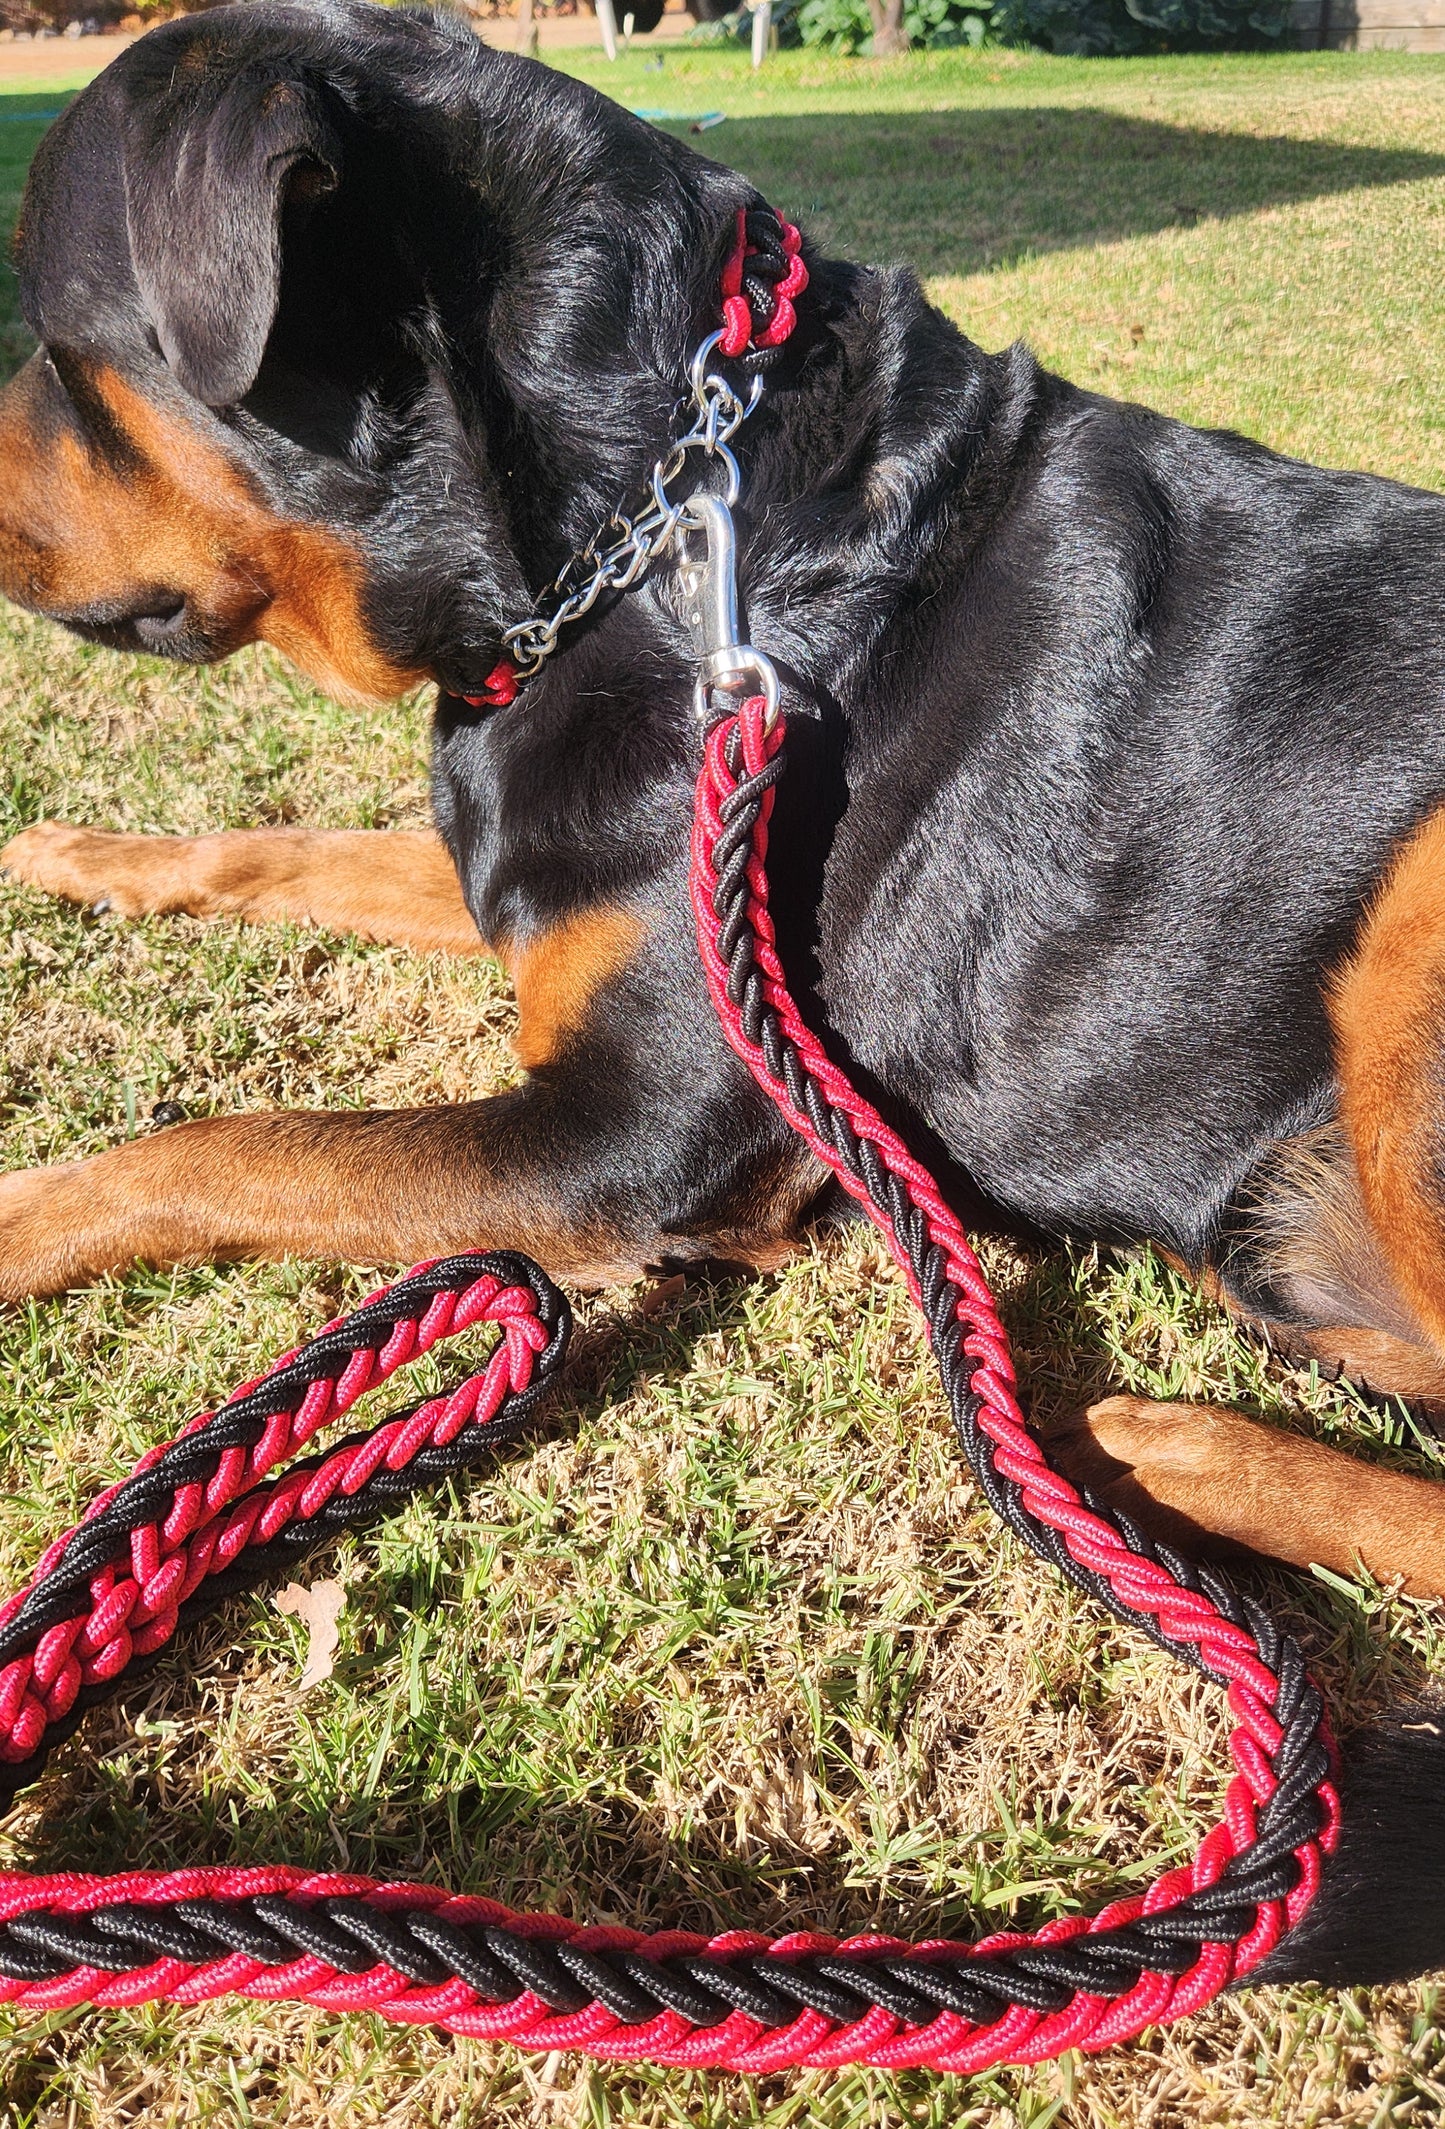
[194, 1521]
[212, 1512]
[203, 1516]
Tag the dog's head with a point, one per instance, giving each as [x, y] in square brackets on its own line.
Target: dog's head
[350, 329]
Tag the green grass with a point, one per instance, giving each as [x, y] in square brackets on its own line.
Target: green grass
[1245, 242]
[19, 137]
[739, 1645]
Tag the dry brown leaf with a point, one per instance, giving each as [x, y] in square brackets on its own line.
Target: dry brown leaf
[318, 1609]
[663, 1295]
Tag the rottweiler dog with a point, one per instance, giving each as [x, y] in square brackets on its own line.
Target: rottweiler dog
[1111, 853]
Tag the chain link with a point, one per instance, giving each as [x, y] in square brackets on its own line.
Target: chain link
[625, 547]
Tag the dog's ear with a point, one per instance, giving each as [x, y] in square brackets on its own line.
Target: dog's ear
[206, 178]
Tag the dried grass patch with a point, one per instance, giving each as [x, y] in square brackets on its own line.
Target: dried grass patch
[737, 1644]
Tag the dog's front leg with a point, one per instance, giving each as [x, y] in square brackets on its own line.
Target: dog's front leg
[637, 1139]
[379, 1188]
[396, 884]
[593, 1184]
[1213, 1483]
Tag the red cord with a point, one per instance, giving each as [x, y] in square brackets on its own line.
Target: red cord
[738, 335]
[134, 1609]
[1183, 1615]
[499, 689]
[811, 2040]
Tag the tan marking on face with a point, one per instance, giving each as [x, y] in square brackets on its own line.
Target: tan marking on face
[557, 976]
[78, 531]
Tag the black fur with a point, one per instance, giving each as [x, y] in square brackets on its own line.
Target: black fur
[1379, 1914]
[1106, 728]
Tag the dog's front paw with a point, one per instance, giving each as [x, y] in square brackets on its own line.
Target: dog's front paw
[1137, 1434]
[104, 871]
[1186, 1473]
[37, 1247]
[59, 860]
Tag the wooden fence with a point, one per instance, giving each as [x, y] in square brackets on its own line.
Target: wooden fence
[1372, 25]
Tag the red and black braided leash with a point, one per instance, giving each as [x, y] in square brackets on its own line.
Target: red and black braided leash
[214, 1512]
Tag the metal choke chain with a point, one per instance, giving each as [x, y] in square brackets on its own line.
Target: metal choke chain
[626, 546]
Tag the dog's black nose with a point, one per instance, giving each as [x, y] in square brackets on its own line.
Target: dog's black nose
[148, 619]
[162, 622]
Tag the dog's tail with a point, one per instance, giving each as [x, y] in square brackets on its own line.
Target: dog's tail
[1380, 1912]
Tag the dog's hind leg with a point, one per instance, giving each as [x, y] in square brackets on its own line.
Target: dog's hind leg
[1216, 1485]
[396, 885]
[1348, 1240]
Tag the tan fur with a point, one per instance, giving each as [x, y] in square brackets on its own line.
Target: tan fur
[397, 884]
[1373, 1360]
[1388, 1010]
[557, 976]
[1325, 1258]
[1209, 1480]
[76, 529]
[384, 1187]
[388, 1187]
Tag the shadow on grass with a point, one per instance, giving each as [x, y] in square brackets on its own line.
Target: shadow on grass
[950, 191]
[956, 191]
[95, 1811]
[589, 1846]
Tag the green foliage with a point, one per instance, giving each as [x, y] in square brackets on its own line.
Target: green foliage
[845, 26]
[737, 27]
[1080, 28]
[29, 16]
[1117, 28]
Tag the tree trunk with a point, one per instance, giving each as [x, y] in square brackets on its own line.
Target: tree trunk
[888, 37]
